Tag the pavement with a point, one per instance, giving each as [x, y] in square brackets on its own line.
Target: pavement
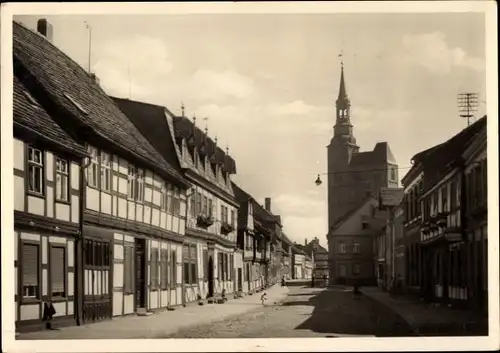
[426, 319]
[308, 312]
[164, 323]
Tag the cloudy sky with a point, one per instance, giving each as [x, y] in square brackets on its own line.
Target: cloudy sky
[267, 84]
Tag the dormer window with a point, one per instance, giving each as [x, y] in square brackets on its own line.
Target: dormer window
[75, 103]
[32, 100]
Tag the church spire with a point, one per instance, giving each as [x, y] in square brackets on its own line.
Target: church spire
[343, 104]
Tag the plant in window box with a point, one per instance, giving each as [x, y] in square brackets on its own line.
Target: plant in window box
[442, 219]
[204, 221]
[226, 228]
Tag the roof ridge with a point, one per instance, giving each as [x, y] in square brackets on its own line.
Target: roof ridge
[50, 43]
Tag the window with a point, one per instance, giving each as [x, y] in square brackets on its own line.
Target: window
[177, 201]
[173, 269]
[356, 248]
[444, 199]
[210, 208]
[75, 103]
[393, 174]
[62, 178]
[128, 264]
[221, 266]
[342, 248]
[164, 269]
[135, 188]
[205, 205]
[170, 199]
[140, 186]
[342, 271]
[192, 201]
[233, 218]
[189, 261]
[356, 269]
[224, 214]
[198, 203]
[35, 171]
[131, 182]
[93, 168]
[30, 263]
[434, 203]
[153, 281]
[365, 224]
[164, 197]
[453, 195]
[57, 272]
[105, 171]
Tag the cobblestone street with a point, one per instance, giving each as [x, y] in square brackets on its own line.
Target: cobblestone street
[307, 312]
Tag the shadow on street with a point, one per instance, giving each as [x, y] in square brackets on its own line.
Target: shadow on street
[336, 311]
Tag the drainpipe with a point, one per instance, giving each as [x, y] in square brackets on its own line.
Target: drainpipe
[79, 275]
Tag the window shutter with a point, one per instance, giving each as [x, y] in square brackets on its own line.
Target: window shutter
[205, 265]
[57, 271]
[30, 265]
[173, 268]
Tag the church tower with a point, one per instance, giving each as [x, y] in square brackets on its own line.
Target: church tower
[340, 150]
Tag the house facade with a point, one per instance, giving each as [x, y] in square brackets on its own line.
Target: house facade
[212, 212]
[350, 244]
[129, 258]
[254, 242]
[47, 213]
[446, 250]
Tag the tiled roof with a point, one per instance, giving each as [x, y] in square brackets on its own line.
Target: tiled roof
[352, 212]
[390, 197]
[29, 114]
[71, 87]
[185, 128]
[151, 121]
[262, 215]
[240, 195]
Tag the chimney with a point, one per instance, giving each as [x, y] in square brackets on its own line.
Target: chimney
[268, 204]
[44, 28]
[305, 242]
[95, 78]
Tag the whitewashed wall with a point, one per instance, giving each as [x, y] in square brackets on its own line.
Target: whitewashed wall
[45, 205]
[31, 310]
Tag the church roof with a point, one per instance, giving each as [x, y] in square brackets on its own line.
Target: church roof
[381, 154]
[342, 99]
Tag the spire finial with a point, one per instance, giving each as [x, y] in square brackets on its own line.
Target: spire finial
[182, 109]
[194, 118]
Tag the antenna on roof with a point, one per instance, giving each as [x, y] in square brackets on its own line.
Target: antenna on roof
[467, 105]
[129, 80]
[90, 43]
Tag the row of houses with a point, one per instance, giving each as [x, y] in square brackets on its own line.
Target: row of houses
[122, 207]
[434, 243]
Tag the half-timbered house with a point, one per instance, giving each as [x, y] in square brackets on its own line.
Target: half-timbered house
[132, 258]
[212, 213]
[47, 213]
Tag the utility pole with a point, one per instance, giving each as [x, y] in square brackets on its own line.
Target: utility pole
[467, 105]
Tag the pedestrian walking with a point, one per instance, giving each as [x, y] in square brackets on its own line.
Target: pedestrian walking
[263, 298]
[283, 282]
[356, 292]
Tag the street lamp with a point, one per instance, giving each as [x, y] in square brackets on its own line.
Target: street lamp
[318, 181]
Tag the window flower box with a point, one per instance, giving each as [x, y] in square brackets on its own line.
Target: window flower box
[226, 228]
[204, 221]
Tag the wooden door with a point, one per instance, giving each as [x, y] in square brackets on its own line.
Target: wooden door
[97, 303]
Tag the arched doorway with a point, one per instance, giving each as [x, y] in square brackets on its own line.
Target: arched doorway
[210, 277]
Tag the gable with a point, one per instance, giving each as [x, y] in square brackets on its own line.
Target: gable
[352, 225]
